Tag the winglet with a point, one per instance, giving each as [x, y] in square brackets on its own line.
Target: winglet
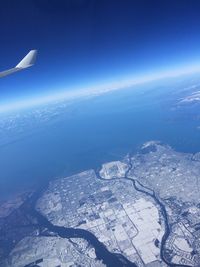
[28, 60]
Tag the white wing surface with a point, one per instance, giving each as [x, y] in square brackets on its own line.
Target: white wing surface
[25, 63]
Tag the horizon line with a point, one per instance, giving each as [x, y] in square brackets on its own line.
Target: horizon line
[93, 91]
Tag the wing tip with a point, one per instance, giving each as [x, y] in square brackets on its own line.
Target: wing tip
[28, 60]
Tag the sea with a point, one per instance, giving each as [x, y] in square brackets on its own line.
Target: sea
[63, 138]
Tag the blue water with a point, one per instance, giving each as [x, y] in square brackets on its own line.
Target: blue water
[97, 130]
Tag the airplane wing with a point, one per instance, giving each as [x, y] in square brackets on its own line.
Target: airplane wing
[25, 63]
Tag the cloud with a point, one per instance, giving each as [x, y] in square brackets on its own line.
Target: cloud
[66, 95]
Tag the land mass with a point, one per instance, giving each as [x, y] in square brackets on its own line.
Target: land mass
[141, 211]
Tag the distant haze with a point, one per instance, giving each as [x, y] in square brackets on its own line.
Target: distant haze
[92, 91]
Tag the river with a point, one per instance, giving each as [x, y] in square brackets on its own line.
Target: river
[102, 253]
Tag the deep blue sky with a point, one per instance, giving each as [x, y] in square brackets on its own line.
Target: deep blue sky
[83, 42]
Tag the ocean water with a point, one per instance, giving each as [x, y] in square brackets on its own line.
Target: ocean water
[96, 130]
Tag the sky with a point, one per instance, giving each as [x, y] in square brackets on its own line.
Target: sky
[89, 43]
